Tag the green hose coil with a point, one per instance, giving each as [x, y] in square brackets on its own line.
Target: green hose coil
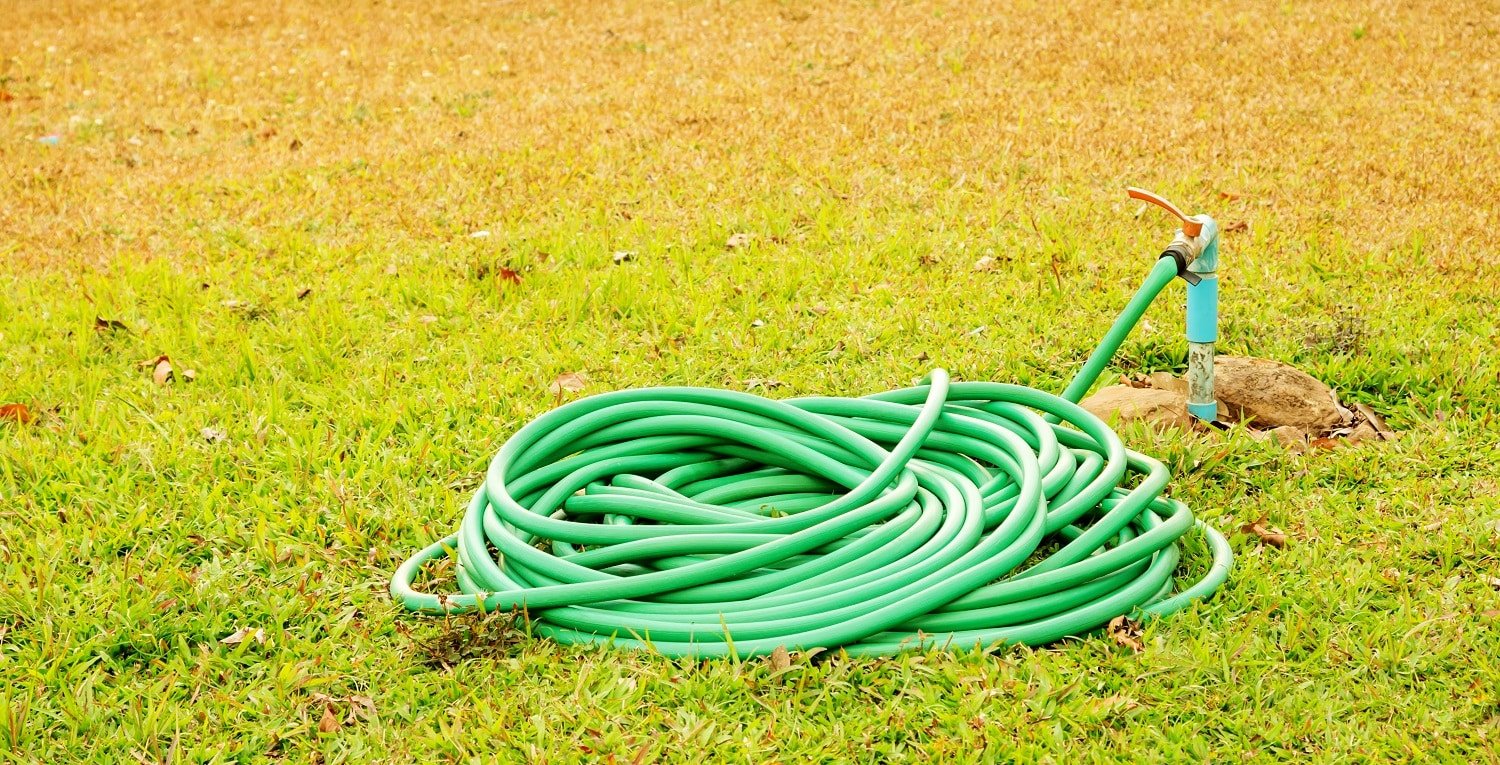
[703, 522]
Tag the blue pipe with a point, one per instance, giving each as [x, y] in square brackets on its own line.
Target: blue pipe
[1203, 325]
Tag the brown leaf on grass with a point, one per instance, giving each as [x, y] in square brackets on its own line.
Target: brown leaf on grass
[189, 375]
[18, 413]
[6, 97]
[1326, 444]
[1266, 534]
[1125, 631]
[640, 754]
[303, 293]
[161, 369]
[986, 263]
[330, 722]
[361, 708]
[245, 633]
[102, 324]
[1236, 227]
[737, 241]
[622, 257]
[779, 660]
[508, 275]
[1115, 704]
[571, 382]
[1376, 422]
[213, 435]
[1230, 196]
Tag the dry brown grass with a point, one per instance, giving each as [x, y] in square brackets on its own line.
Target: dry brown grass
[1369, 123]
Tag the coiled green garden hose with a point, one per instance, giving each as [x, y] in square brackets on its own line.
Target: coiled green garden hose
[702, 522]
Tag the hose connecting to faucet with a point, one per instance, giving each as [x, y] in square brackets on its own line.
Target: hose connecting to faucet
[703, 522]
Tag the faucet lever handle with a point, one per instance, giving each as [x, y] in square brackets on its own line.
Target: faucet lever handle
[1190, 227]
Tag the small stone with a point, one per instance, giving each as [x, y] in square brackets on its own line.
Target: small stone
[1292, 439]
[1161, 408]
[1364, 432]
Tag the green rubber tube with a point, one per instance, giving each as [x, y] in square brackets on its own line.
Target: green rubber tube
[702, 522]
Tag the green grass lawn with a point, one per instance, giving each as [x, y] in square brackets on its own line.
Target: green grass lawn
[285, 201]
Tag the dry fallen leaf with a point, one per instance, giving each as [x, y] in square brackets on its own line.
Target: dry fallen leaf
[189, 375]
[1326, 444]
[780, 660]
[1375, 421]
[571, 382]
[736, 241]
[330, 721]
[623, 256]
[986, 263]
[819, 309]
[1235, 227]
[508, 275]
[1267, 534]
[246, 633]
[213, 435]
[1125, 631]
[1114, 704]
[361, 708]
[102, 324]
[304, 292]
[769, 383]
[17, 413]
[757, 324]
[161, 369]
